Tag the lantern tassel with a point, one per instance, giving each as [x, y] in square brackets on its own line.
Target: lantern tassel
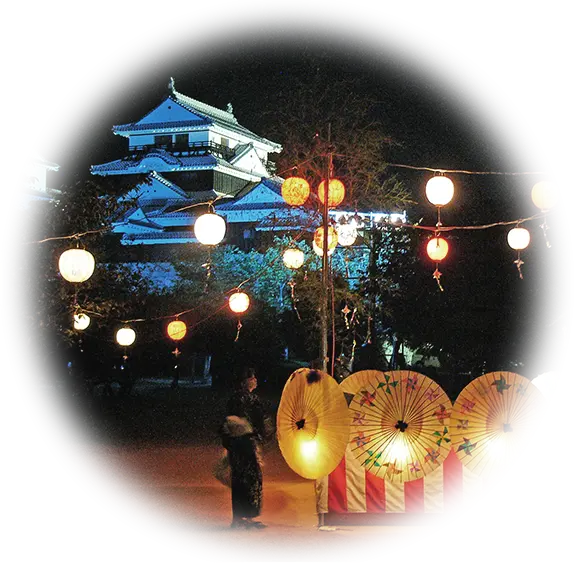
[239, 325]
[545, 228]
[353, 350]
[519, 263]
[346, 312]
[436, 275]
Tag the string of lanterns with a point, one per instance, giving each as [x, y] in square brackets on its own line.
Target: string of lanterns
[77, 265]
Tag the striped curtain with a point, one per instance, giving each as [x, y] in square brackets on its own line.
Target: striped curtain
[350, 489]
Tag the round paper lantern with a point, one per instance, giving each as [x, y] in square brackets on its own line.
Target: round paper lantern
[176, 330]
[293, 258]
[332, 238]
[518, 238]
[347, 234]
[544, 195]
[439, 190]
[209, 228]
[295, 190]
[76, 265]
[336, 192]
[319, 250]
[437, 248]
[125, 336]
[81, 321]
[239, 302]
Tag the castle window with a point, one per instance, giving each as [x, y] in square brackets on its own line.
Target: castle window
[182, 140]
[163, 140]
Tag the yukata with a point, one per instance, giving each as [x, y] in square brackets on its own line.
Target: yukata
[243, 448]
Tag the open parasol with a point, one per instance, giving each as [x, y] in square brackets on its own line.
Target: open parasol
[493, 420]
[399, 425]
[312, 423]
[353, 383]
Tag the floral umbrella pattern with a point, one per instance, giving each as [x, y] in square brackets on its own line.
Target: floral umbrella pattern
[399, 424]
[492, 419]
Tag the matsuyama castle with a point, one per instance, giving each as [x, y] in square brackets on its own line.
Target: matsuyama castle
[193, 154]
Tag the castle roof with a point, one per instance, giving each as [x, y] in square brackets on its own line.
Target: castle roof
[196, 115]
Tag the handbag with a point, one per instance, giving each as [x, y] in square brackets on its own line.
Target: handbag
[222, 471]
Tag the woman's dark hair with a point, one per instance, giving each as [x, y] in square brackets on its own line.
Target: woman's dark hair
[247, 373]
[243, 376]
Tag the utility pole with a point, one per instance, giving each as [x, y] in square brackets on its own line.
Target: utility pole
[325, 270]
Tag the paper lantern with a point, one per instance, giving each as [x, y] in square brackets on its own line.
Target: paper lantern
[439, 190]
[336, 192]
[437, 248]
[293, 258]
[347, 234]
[176, 330]
[544, 195]
[209, 228]
[81, 321]
[332, 238]
[518, 238]
[295, 190]
[125, 336]
[239, 302]
[318, 250]
[76, 265]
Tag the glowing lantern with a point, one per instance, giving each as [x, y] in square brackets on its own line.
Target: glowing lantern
[81, 321]
[209, 228]
[437, 248]
[544, 195]
[319, 250]
[125, 336]
[293, 258]
[332, 238]
[239, 302]
[336, 192]
[295, 190]
[439, 190]
[176, 330]
[347, 234]
[76, 265]
[518, 238]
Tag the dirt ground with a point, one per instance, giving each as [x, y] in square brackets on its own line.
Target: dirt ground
[150, 459]
[172, 492]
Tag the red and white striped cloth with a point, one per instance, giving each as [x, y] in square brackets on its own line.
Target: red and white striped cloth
[350, 489]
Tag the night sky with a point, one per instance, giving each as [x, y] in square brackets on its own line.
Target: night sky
[443, 115]
[474, 114]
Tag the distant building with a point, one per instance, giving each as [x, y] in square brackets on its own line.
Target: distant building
[36, 186]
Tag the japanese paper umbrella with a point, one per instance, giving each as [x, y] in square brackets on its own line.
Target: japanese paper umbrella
[312, 423]
[353, 383]
[493, 420]
[399, 425]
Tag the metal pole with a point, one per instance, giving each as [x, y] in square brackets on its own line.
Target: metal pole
[325, 273]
